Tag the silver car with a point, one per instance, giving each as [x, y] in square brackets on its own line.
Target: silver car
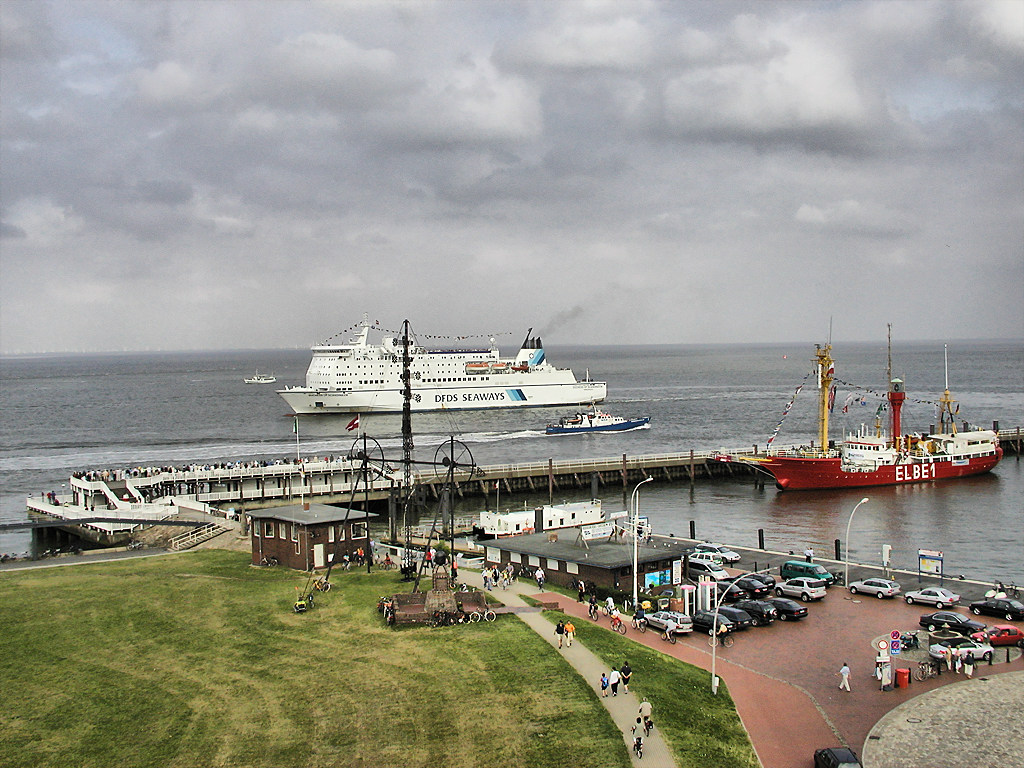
[803, 587]
[659, 620]
[937, 596]
[878, 587]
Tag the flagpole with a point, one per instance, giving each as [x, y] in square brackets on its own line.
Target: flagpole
[298, 464]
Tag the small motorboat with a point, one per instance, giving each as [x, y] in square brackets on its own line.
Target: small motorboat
[260, 378]
[595, 420]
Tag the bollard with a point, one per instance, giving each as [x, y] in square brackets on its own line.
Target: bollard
[839, 555]
[693, 529]
[760, 538]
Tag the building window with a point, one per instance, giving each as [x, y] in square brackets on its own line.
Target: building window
[514, 557]
[295, 533]
[359, 530]
[268, 530]
[552, 564]
[282, 530]
[330, 533]
[572, 567]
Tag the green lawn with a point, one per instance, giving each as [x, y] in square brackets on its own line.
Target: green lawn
[197, 660]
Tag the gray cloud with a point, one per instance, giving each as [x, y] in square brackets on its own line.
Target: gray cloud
[191, 174]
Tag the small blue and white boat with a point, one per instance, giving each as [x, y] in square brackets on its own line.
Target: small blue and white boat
[595, 420]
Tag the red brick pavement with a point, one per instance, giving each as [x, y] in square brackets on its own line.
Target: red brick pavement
[784, 679]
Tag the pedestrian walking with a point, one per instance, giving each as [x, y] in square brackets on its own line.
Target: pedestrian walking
[604, 685]
[613, 681]
[809, 555]
[958, 659]
[626, 672]
[581, 590]
[969, 664]
[560, 631]
[539, 576]
[844, 673]
[570, 632]
[487, 580]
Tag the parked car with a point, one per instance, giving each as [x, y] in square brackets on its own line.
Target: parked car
[1000, 635]
[1011, 610]
[793, 569]
[803, 587]
[729, 592]
[762, 613]
[705, 557]
[659, 620]
[704, 621]
[951, 621]
[878, 587]
[723, 552]
[982, 651]
[703, 569]
[788, 610]
[764, 577]
[835, 757]
[937, 596]
[752, 588]
[740, 619]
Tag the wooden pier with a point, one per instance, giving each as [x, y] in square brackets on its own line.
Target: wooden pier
[237, 486]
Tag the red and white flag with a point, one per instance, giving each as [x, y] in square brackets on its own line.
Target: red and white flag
[354, 424]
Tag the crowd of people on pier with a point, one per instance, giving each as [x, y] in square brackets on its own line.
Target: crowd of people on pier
[107, 475]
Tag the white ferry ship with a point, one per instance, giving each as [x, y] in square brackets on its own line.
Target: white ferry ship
[359, 377]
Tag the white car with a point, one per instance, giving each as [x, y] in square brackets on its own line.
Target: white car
[982, 651]
[803, 587]
[940, 597]
[706, 569]
[878, 587]
[723, 552]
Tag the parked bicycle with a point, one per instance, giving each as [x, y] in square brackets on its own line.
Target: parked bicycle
[926, 669]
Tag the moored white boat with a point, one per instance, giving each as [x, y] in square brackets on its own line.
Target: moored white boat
[549, 517]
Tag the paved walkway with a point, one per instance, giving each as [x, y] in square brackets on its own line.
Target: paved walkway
[623, 708]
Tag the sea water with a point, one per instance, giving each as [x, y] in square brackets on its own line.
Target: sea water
[62, 414]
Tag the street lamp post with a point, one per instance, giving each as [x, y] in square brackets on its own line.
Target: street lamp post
[714, 634]
[846, 551]
[634, 502]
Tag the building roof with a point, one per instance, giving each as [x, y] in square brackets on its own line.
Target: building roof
[599, 553]
[315, 515]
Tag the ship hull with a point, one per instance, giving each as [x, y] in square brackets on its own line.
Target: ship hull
[622, 426]
[519, 395]
[801, 474]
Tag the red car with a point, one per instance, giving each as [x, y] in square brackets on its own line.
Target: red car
[1001, 634]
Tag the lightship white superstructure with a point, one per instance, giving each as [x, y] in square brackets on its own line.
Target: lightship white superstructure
[359, 377]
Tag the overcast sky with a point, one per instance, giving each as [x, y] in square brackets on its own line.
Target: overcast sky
[210, 175]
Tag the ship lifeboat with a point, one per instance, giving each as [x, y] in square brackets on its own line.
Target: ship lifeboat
[478, 368]
[499, 367]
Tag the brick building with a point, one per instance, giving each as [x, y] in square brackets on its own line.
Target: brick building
[305, 536]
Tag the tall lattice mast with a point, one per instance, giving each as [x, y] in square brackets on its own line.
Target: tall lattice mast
[407, 445]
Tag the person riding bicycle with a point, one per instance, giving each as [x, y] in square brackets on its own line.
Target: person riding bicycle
[670, 628]
[616, 618]
[610, 603]
[388, 562]
[639, 615]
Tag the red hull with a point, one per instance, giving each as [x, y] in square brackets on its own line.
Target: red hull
[799, 474]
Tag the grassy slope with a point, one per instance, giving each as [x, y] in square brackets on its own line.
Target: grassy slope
[197, 659]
